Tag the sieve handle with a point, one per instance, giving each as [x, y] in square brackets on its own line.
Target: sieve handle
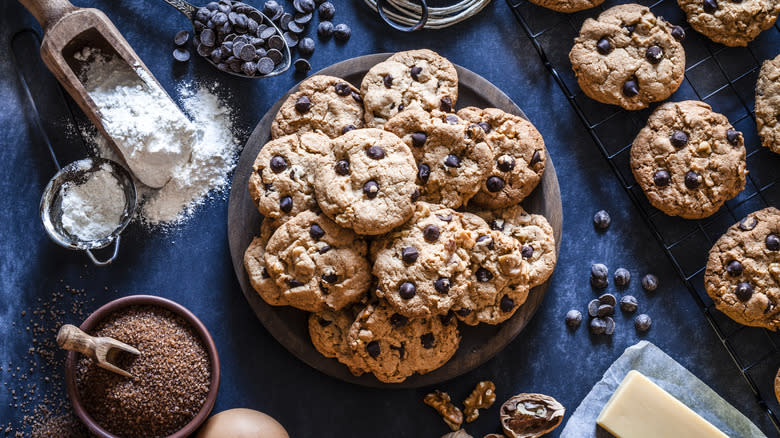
[382, 4]
[106, 262]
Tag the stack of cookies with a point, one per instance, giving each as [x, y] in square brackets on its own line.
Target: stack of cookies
[391, 217]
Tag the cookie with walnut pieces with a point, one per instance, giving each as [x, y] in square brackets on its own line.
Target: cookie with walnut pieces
[254, 264]
[329, 329]
[768, 104]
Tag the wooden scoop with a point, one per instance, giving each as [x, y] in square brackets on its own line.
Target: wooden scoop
[102, 350]
[67, 30]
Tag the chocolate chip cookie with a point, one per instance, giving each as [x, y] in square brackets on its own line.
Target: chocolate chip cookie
[394, 346]
[729, 22]
[568, 5]
[688, 159]
[317, 264]
[329, 329]
[743, 270]
[535, 235]
[254, 263]
[518, 158]
[768, 104]
[452, 156]
[777, 386]
[422, 268]
[628, 57]
[281, 184]
[413, 79]
[325, 104]
[366, 181]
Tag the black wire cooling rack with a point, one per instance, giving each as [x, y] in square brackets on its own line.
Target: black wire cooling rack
[725, 78]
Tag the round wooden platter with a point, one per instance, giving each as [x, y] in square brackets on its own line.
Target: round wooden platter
[289, 326]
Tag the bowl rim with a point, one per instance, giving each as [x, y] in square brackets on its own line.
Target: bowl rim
[141, 300]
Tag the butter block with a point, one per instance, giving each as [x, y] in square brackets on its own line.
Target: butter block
[641, 409]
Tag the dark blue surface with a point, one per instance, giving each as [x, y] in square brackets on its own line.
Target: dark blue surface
[191, 264]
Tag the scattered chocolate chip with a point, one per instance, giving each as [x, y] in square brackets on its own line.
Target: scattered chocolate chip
[306, 47]
[599, 283]
[527, 251]
[598, 326]
[662, 178]
[327, 11]
[622, 277]
[654, 54]
[181, 55]
[347, 128]
[415, 72]
[631, 88]
[601, 220]
[342, 167]
[605, 310]
[710, 6]
[483, 275]
[452, 161]
[604, 46]
[398, 320]
[388, 81]
[181, 38]
[427, 340]
[316, 232]
[409, 254]
[608, 299]
[610, 328]
[642, 322]
[678, 139]
[593, 308]
[506, 304]
[278, 164]
[734, 268]
[286, 204]
[423, 172]
[375, 152]
[494, 184]
[304, 6]
[442, 285]
[573, 318]
[773, 242]
[445, 104]
[628, 304]
[303, 104]
[678, 33]
[293, 283]
[431, 233]
[418, 139]
[373, 349]
[649, 282]
[341, 32]
[748, 223]
[407, 290]
[371, 189]
[325, 29]
[303, 19]
[732, 135]
[599, 270]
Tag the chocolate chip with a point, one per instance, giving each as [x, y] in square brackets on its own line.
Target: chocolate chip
[605, 310]
[710, 6]
[599, 270]
[446, 218]
[398, 320]
[452, 119]
[302, 19]
[599, 283]
[427, 340]
[535, 158]
[485, 126]
[445, 104]
[610, 329]
[593, 308]
[407, 290]
[505, 163]
[431, 233]
[734, 268]
[678, 33]
[207, 37]
[654, 54]
[678, 139]
[649, 282]
[446, 319]
[506, 304]
[342, 89]
[604, 46]
[303, 104]
[598, 326]
[249, 68]
[630, 28]
[181, 55]
[463, 311]
[601, 220]
[630, 88]
[732, 135]
[356, 97]
[265, 65]
[278, 164]
[744, 291]
[323, 322]
[304, 6]
[622, 277]
[573, 318]
[347, 128]
[388, 81]
[643, 322]
[371, 189]
[483, 275]
[342, 167]
[748, 223]
[306, 47]
[316, 232]
[692, 179]
[527, 251]
[325, 29]
[662, 178]
[373, 349]
[423, 172]
[286, 204]
[342, 32]
[293, 283]
[264, 273]
[773, 242]
[418, 139]
[330, 278]
[401, 107]
[327, 11]
[409, 254]
[416, 195]
[415, 72]
[497, 224]
[375, 152]
[494, 184]
[442, 285]
[628, 304]
[452, 161]
[324, 249]
[608, 299]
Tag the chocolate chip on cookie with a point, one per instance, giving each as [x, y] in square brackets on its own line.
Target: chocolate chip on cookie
[329, 329]
[254, 263]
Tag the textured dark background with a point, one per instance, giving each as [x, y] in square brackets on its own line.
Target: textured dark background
[191, 264]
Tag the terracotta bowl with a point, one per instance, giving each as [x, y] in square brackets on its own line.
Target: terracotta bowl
[140, 300]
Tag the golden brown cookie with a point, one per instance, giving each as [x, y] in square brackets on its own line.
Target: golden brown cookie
[768, 104]
[568, 5]
[328, 330]
[733, 23]
[254, 263]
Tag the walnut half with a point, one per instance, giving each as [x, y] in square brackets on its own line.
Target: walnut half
[482, 397]
[450, 413]
[530, 415]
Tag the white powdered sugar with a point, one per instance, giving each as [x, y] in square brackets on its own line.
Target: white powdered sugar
[152, 133]
[93, 210]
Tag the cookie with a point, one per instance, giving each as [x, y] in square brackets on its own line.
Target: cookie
[281, 184]
[743, 270]
[567, 5]
[777, 385]
[768, 104]
[366, 181]
[324, 104]
[413, 79]
[688, 159]
[317, 264]
[452, 156]
[329, 329]
[628, 57]
[254, 263]
[422, 268]
[733, 23]
[394, 347]
[518, 157]
[533, 233]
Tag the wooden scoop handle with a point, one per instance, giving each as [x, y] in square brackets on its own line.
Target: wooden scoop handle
[73, 338]
[48, 12]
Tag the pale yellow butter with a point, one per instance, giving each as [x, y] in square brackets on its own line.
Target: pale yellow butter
[641, 409]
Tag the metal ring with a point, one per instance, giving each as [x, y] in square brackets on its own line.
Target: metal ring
[111, 259]
[382, 4]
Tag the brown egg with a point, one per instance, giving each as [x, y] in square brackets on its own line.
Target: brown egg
[242, 423]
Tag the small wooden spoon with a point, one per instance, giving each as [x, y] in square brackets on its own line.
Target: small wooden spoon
[67, 30]
[102, 350]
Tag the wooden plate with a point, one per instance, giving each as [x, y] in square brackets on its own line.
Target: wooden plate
[289, 326]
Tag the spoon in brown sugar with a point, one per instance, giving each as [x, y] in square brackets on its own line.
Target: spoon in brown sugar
[102, 350]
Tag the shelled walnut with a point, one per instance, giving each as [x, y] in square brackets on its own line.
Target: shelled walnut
[460, 433]
[482, 397]
[530, 415]
[450, 413]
